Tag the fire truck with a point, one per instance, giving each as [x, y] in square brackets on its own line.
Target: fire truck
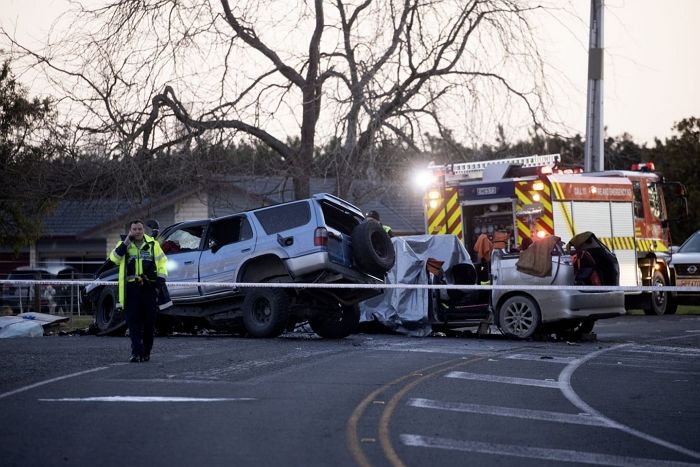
[519, 199]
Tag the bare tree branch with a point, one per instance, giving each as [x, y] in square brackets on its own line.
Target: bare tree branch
[160, 75]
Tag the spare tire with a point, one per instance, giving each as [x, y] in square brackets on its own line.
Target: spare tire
[372, 248]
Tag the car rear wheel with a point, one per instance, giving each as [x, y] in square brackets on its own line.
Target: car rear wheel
[265, 312]
[109, 319]
[336, 323]
[660, 303]
[519, 317]
[372, 248]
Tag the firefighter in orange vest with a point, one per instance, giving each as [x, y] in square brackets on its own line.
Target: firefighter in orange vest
[141, 269]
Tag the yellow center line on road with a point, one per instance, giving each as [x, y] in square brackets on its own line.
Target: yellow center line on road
[354, 443]
[384, 435]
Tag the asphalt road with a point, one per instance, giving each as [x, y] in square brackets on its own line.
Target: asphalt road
[628, 398]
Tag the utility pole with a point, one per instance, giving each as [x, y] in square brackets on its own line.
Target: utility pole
[593, 151]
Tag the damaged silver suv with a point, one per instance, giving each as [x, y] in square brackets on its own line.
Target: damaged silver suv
[320, 240]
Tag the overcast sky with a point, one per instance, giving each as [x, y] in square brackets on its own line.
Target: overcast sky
[652, 71]
[652, 66]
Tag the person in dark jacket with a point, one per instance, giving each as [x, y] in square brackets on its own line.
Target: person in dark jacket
[142, 272]
[375, 215]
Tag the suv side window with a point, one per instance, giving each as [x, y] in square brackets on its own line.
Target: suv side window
[338, 218]
[284, 217]
[227, 231]
[185, 239]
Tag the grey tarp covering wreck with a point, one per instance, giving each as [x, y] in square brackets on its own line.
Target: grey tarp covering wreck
[406, 310]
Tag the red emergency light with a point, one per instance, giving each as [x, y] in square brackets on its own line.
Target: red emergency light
[544, 170]
[644, 167]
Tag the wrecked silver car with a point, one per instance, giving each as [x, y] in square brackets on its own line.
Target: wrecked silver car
[518, 312]
[585, 261]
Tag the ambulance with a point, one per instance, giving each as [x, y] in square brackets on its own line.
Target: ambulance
[517, 200]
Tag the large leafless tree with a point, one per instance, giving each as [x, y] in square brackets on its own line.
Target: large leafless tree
[294, 74]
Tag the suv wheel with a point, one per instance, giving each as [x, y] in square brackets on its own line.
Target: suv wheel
[336, 323]
[265, 312]
[372, 248]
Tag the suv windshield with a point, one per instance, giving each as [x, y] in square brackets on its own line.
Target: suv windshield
[692, 245]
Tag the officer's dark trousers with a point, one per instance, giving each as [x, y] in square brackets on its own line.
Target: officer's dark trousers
[140, 317]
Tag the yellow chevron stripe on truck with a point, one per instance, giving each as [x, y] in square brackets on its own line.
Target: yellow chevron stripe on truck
[631, 243]
[527, 196]
[651, 244]
[618, 243]
[446, 216]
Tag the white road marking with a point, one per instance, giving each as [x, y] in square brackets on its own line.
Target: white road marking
[557, 455]
[541, 358]
[528, 414]
[666, 350]
[48, 381]
[570, 394]
[169, 380]
[543, 383]
[148, 399]
[436, 349]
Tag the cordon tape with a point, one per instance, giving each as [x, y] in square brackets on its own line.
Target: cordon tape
[295, 285]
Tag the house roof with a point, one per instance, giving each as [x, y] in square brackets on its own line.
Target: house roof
[72, 217]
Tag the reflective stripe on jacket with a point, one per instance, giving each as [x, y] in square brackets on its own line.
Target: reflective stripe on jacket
[148, 261]
[388, 230]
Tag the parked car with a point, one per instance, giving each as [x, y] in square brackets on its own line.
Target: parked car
[685, 268]
[519, 312]
[322, 240]
[48, 297]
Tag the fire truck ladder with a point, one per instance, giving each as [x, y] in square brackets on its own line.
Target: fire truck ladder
[476, 169]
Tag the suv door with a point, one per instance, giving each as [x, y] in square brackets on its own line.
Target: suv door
[229, 240]
[183, 247]
[340, 223]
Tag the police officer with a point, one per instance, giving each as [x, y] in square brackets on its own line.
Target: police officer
[375, 215]
[141, 268]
